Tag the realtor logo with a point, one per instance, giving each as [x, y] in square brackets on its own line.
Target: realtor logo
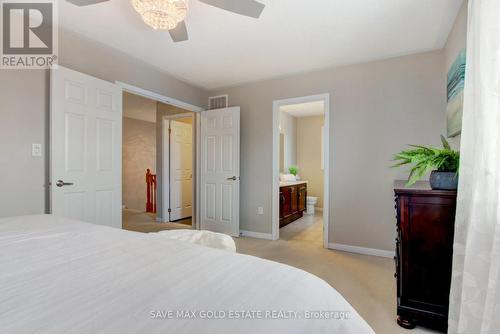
[29, 34]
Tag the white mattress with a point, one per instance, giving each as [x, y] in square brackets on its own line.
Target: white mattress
[63, 276]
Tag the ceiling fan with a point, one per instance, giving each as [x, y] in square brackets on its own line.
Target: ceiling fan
[170, 14]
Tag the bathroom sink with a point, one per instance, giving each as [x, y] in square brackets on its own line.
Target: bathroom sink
[291, 183]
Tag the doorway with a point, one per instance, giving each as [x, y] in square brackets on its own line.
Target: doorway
[138, 160]
[158, 163]
[179, 158]
[301, 168]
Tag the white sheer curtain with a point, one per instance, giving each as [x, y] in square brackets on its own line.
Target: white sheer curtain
[475, 291]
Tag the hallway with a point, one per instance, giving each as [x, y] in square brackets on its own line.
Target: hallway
[146, 222]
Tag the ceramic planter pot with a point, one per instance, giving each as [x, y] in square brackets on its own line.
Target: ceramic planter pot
[443, 180]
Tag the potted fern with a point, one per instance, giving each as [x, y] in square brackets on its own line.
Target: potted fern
[294, 170]
[443, 162]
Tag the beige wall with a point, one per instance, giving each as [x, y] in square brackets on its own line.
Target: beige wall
[309, 155]
[457, 40]
[23, 121]
[376, 109]
[24, 112]
[138, 107]
[139, 154]
[101, 61]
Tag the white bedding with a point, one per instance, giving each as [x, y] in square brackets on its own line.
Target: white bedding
[63, 276]
[203, 238]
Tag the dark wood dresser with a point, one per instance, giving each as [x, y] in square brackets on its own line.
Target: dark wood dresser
[424, 248]
[292, 202]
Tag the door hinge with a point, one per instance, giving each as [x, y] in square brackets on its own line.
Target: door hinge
[169, 210]
[169, 130]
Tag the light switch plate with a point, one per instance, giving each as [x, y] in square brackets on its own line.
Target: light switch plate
[36, 150]
[260, 210]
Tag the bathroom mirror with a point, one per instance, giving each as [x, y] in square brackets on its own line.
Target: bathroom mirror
[282, 152]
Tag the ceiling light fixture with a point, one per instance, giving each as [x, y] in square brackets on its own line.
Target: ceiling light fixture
[161, 14]
[170, 14]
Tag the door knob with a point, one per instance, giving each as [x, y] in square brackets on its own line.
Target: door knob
[234, 178]
[61, 183]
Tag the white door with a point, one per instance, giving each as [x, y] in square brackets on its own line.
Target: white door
[181, 170]
[220, 170]
[86, 137]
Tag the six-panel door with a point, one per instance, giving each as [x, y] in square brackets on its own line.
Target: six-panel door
[86, 137]
[220, 170]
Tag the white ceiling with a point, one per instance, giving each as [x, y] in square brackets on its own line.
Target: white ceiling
[305, 109]
[292, 36]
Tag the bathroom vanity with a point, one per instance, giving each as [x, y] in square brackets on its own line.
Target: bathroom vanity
[293, 197]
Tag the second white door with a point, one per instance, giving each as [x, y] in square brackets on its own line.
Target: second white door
[220, 171]
[181, 170]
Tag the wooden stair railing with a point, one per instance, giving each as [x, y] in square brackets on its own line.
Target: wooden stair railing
[151, 191]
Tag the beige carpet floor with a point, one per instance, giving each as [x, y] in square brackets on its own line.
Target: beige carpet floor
[146, 222]
[367, 282]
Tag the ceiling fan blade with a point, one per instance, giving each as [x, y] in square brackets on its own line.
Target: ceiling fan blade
[85, 2]
[179, 33]
[250, 8]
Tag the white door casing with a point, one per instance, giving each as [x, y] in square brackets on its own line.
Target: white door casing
[86, 141]
[220, 170]
[181, 170]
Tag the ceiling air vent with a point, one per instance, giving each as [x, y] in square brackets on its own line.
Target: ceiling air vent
[218, 102]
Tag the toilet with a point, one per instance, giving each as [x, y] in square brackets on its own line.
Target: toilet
[311, 203]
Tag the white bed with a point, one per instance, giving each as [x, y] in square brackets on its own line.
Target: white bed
[63, 276]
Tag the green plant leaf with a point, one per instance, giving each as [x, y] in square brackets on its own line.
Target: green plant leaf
[401, 164]
[294, 170]
[446, 145]
[425, 159]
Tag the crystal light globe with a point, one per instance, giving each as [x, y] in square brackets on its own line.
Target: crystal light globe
[161, 14]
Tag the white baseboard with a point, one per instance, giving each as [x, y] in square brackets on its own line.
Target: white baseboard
[250, 234]
[361, 250]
